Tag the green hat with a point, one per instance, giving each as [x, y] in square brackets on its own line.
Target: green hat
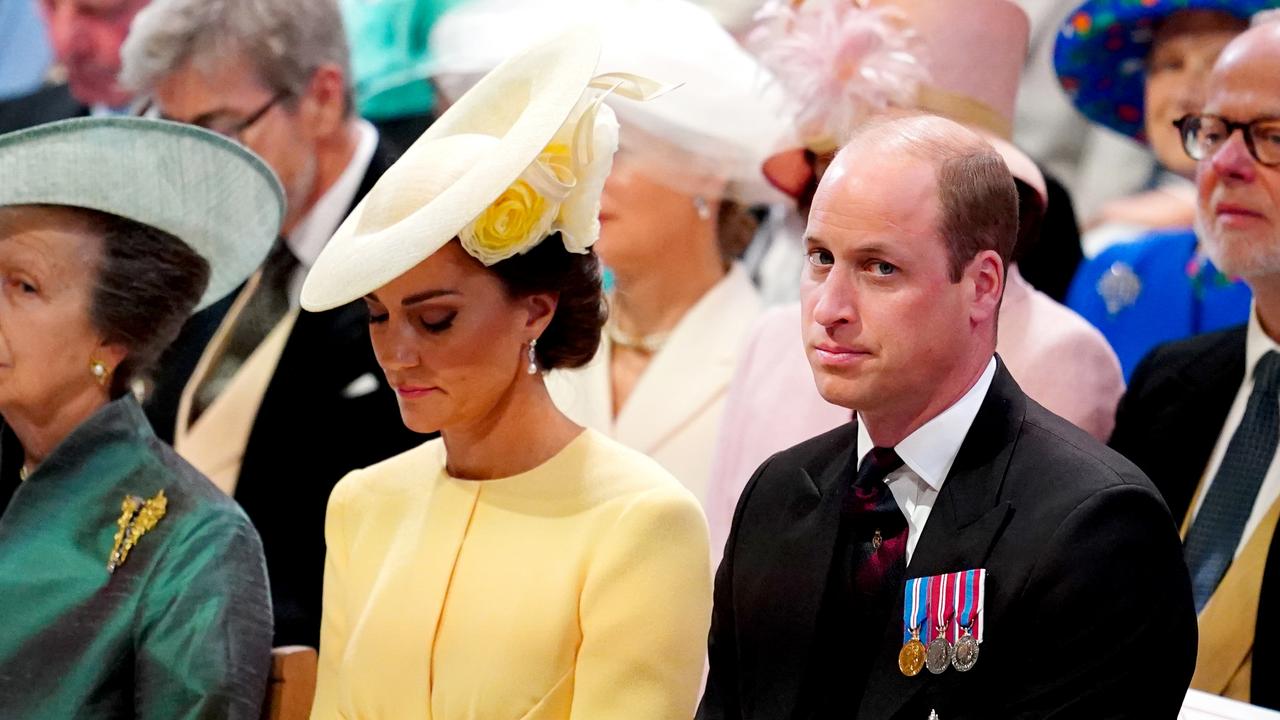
[206, 190]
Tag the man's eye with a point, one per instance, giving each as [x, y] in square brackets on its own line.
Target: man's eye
[882, 268]
[820, 257]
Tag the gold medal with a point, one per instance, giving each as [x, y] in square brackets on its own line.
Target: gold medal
[911, 657]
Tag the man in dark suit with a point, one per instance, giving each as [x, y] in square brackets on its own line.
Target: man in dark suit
[1201, 415]
[86, 37]
[273, 404]
[948, 467]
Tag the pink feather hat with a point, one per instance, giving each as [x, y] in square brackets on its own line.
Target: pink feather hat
[844, 61]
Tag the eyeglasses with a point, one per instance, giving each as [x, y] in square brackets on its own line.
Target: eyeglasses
[219, 123]
[1202, 135]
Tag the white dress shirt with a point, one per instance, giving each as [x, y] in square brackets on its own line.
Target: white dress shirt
[313, 231]
[927, 455]
[1256, 344]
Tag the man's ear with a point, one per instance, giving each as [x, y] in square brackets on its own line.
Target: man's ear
[986, 275]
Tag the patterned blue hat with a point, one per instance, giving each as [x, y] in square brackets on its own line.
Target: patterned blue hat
[1101, 54]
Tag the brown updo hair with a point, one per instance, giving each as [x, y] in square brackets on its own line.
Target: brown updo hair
[573, 336]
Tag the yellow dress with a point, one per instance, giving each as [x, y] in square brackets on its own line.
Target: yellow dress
[580, 589]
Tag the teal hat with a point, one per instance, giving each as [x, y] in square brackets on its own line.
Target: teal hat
[1101, 54]
[206, 190]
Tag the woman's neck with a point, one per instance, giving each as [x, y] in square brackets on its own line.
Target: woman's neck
[523, 431]
[40, 432]
[654, 301]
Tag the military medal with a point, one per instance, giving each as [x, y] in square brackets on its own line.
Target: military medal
[136, 519]
[911, 658]
[938, 652]
[966, 649]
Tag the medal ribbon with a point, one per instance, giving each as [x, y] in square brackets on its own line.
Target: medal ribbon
[941, 604]
[915, 608]
[969, 603]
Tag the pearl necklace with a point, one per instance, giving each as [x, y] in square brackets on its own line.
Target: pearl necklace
[648, 344]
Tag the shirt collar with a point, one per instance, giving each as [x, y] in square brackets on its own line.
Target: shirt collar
[930, 451]
[1256, 344]
[318, 225]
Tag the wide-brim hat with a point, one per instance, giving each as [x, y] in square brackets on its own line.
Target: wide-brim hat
[722, 122]
[1101, 54]
[204, 189]
[468, 158]
[973, 52]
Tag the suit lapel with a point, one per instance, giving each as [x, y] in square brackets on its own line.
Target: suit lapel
[965, 522]
[801, 557]
[1204, 390]
[693, 369]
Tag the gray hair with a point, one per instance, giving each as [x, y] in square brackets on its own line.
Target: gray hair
[285, 40]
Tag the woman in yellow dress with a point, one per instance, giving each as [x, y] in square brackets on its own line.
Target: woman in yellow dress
[519, 566]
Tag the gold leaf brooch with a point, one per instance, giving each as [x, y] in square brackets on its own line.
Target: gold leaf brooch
[136, 518]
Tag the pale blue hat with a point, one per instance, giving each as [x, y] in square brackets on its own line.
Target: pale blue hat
[206, 190]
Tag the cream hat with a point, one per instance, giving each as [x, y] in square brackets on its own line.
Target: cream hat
[522, 155]
[716, 129]
[207, 191]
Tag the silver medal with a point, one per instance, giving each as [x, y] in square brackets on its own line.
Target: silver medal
[937, 656]
[965, 654]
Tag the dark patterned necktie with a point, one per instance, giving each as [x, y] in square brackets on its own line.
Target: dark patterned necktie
[880, 528]
[1215, 534]
[264, 309]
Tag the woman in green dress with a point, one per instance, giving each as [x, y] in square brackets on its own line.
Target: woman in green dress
[130, 586]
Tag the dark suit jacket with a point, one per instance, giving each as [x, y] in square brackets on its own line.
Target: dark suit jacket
[307, 435]
[1168, 424]
[1088, 610]
[49, 103]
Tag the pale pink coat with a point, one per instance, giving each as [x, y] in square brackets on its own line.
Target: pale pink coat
[1057, 357]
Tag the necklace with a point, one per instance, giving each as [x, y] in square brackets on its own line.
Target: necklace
[23, 473]
[648, 344]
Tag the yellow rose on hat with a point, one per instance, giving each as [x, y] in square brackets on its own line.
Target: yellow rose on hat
[512, 225]
[560, 192]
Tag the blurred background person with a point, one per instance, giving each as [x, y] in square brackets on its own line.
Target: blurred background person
[1097, 164]
[520, 565]
[25, 54]
[1136, 68]
[131, 586]
[275, 407]
[86, 36]
[942, 57]
[675, 217]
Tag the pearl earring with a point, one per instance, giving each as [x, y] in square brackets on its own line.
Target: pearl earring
[533, 357]
[99, 370]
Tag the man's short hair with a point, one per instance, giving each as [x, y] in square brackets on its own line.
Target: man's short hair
[977, 197]
[285, 40]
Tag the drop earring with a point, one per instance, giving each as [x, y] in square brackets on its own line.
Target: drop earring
[704, 210]
[533, 357]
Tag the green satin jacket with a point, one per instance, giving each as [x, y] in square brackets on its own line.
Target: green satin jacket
[181, 628]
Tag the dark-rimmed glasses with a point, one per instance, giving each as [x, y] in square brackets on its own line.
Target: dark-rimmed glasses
[216, 121]
[1202, 135]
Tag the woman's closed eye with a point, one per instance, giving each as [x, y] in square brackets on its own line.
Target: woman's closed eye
[438, 322]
